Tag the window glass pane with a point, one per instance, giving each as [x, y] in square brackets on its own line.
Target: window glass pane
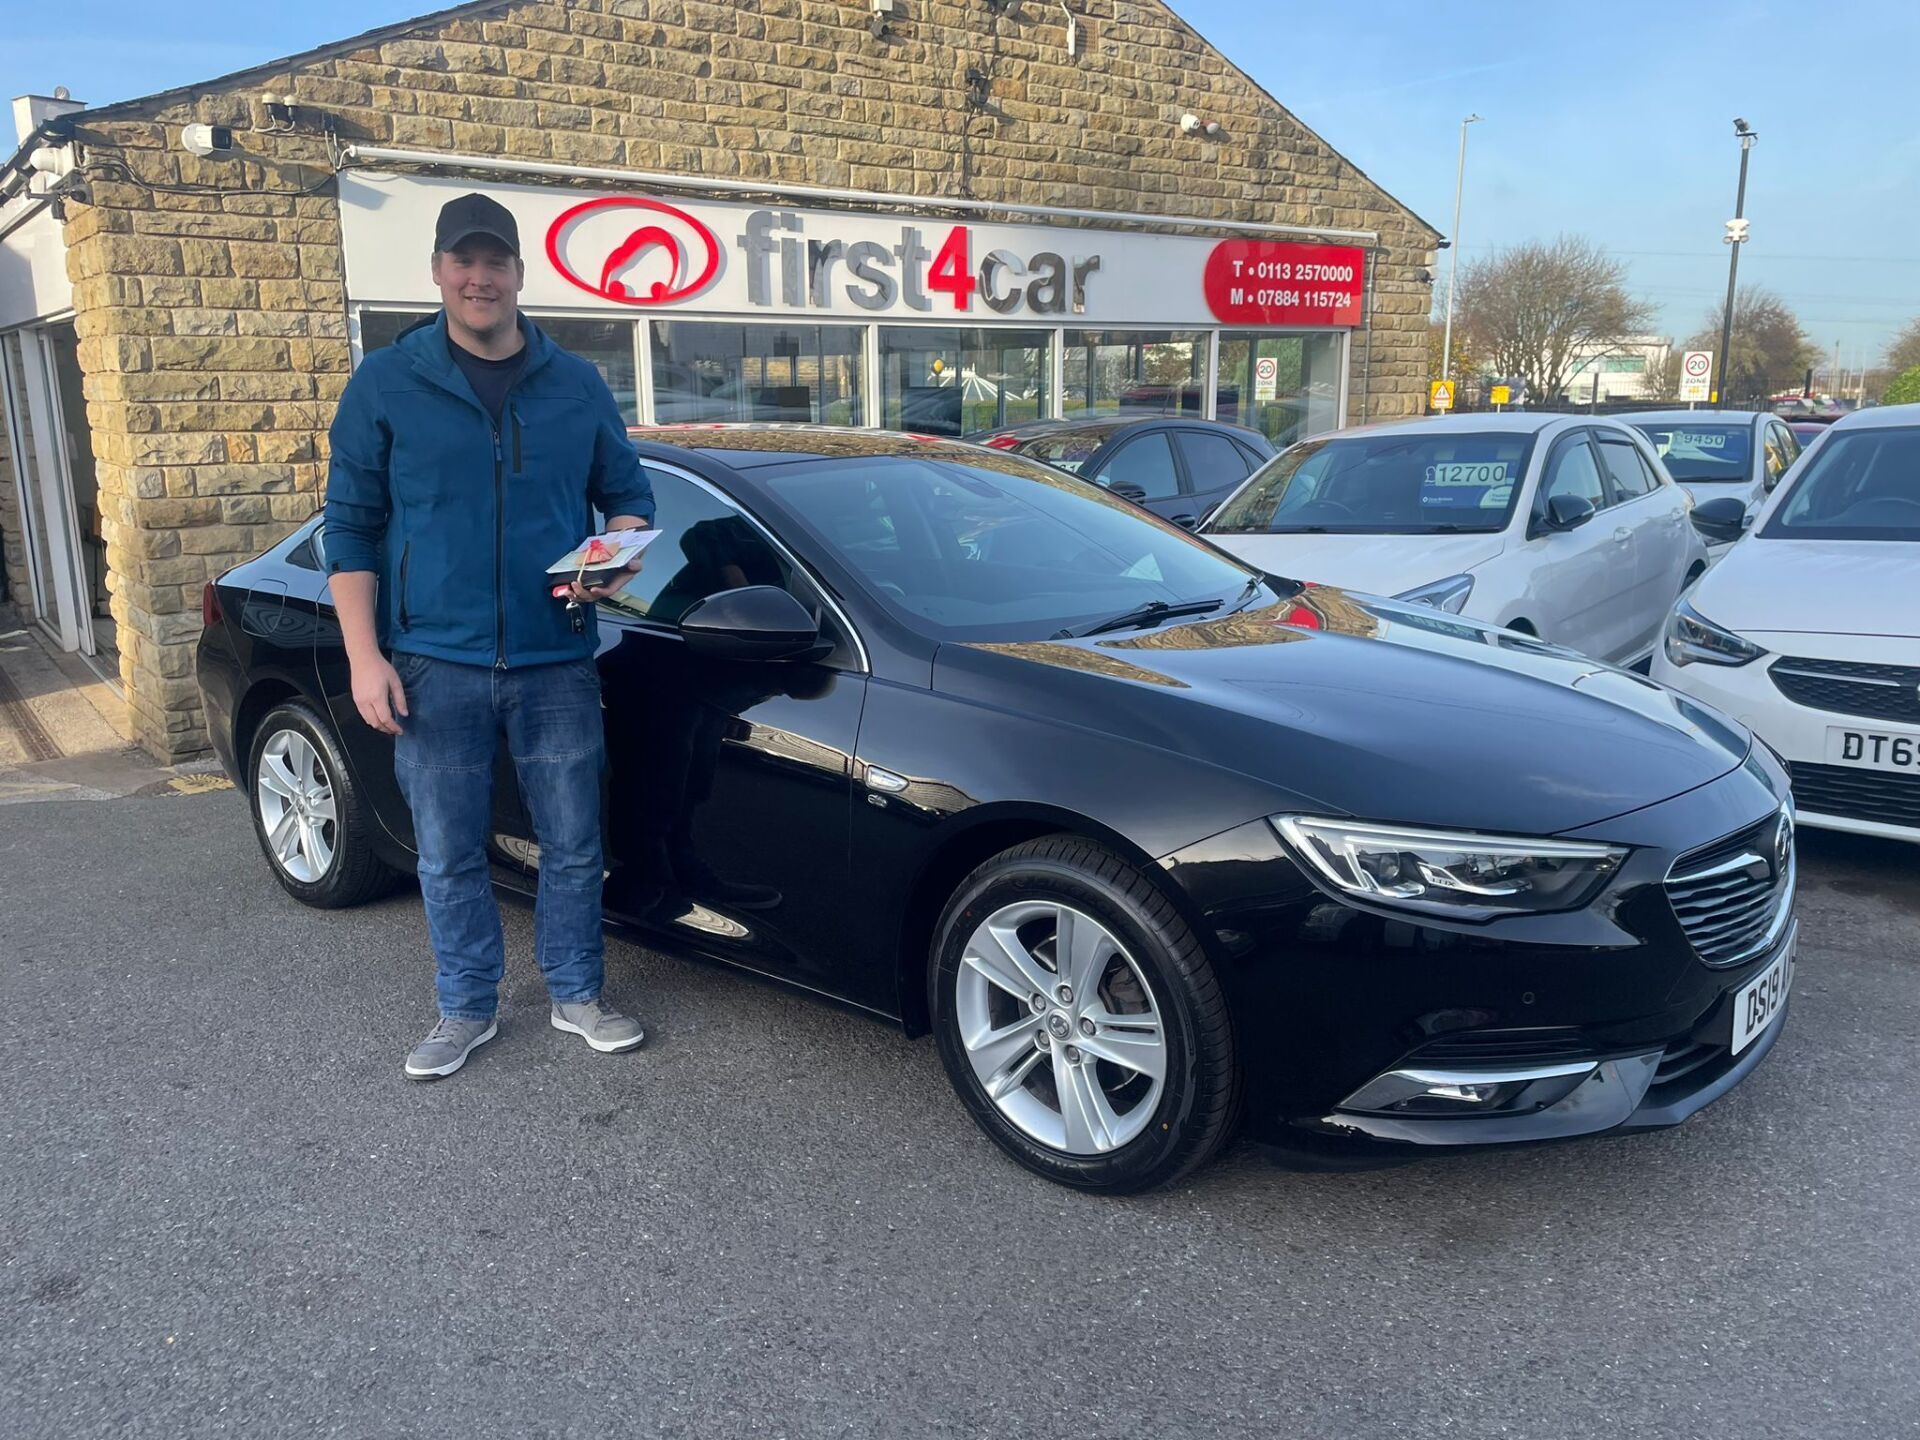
[1301, 398]
[1213, 461]
[1107, 371]
[1356, 483]
[1863, 485]
[1698, 451]
[1147, 462]
[1630, 477]
[941, 381]
[796, 373]
[998, 548]
[380, 328]
[1574, 473]
[608, 346]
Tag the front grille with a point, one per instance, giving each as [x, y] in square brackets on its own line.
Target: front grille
[1518, 1048]
[1858, 794]
[1881, 692]
[1728, 895]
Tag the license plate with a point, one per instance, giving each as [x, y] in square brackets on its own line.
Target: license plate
[1873, 750]
[1759, 1002]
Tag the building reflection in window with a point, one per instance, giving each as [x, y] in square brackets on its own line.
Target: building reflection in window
[800, 374]
[1159, 371]
[940, 381]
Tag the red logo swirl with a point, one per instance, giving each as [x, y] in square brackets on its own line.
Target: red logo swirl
[691, 252]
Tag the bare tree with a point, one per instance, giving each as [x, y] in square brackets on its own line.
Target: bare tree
[1770, 350]
[1663, 377]
[1539, 311]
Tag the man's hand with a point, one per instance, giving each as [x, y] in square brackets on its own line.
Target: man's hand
[587, 595]
[378, 694]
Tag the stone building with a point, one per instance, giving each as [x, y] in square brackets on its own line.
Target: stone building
[950, 215]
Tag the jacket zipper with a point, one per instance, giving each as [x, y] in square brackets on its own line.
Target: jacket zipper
[499, 559]
[406, 554]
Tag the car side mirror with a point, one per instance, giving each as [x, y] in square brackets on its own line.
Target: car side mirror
[1721, 519]
[1127, 490]
[1567, 512]
[755, 622]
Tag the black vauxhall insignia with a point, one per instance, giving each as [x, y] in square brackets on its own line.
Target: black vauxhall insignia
[1153, 844]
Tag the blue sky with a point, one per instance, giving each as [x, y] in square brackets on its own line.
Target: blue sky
[1612, 121]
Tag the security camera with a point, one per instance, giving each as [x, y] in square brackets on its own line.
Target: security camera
[205, 140]
[1189, 123]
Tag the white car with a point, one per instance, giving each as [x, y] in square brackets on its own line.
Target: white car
[1712, 453]
[1809, 630]
[1561, 526]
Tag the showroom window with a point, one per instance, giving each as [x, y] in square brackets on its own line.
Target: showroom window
[1293, 394]
[608, 344]
[704, 371]
[941, 381]
[1159, 371]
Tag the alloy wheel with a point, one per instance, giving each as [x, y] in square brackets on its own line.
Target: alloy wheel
[1061, 1027]
[298, 813]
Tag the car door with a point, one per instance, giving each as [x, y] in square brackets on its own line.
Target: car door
[729, 782]
[1653, 514]
[1576, 581]
[1213, 468]
[1143, 462]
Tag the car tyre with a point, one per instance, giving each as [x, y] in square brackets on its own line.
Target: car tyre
[1158, 969]
[312, 823]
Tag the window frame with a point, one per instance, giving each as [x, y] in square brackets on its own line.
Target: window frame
[1188, 479]
[1603, 438]
[1583, 435]
[628, 620]
[1162, 433]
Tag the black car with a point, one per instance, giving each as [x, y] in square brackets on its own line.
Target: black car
[1177, 468]
[1154, 844]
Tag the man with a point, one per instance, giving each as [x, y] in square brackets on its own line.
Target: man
[467, 457]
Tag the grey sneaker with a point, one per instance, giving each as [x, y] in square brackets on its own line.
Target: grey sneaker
[447, 1046]
[599, 1024]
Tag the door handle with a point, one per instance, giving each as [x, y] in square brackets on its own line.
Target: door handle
[1622, 535]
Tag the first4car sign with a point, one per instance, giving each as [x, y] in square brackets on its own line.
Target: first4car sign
[637, 252]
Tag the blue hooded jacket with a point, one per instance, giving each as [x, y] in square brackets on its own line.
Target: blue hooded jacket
[459, 520]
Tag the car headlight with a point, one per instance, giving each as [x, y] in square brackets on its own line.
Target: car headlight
[1448, 595]
[1692, 637]
[1450, 873]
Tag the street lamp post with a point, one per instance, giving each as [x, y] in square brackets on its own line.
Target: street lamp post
[1453, 257]
[1735, 237]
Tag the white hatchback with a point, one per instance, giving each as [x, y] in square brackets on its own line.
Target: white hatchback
[1715, 453]
[1561, 526]
[1809, 630]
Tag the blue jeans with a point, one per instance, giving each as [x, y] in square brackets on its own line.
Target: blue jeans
[444, 760]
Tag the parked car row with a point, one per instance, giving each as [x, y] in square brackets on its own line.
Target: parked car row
[1157, 841]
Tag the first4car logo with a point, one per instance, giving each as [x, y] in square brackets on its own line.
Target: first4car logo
[637, 251]
[646, 253]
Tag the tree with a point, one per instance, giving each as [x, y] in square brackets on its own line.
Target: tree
[1904, 353]
[1663, 377]
[1905, 390]
[1466, 361]
[1539, 311]
[1770, 350]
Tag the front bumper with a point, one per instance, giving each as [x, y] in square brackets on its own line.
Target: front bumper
[1827, 796]
[1330, 996]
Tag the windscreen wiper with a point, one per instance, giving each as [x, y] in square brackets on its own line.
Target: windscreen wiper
[1148, 614]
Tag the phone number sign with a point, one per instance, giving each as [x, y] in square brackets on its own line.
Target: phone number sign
[1279, 282]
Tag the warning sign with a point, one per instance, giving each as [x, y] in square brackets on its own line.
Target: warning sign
[1696, 372]
[1266, 377]
[1440, 395]
[1501, 394]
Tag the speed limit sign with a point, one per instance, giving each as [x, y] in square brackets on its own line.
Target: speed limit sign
[1696, 370]
[1266, 377]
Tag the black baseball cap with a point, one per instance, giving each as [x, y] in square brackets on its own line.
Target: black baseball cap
[472, 215]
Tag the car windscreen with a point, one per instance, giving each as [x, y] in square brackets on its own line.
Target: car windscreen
[1702, 453]
[1066, 449]
[1856, 485]
[998, 548]
[1418, 484]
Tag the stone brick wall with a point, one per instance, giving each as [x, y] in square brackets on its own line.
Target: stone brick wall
[212, 326]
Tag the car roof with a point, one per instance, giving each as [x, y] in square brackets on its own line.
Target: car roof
[748, 446]
[1880, 417]
[1696, 417]
[1522, 422]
